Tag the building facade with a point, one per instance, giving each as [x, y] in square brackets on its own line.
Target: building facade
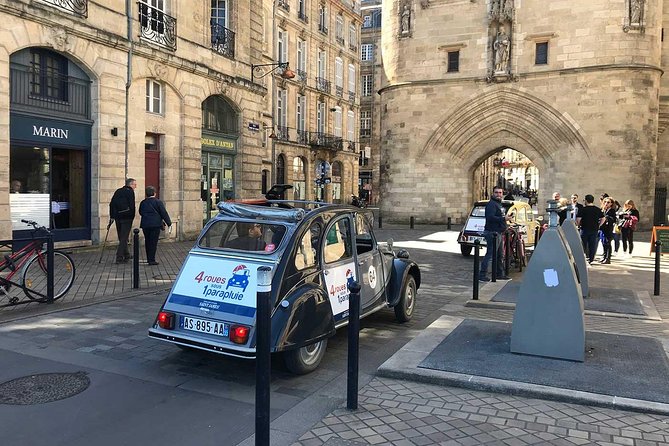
[575, 87]
[158, 90]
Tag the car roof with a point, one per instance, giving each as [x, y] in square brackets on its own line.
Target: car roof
[290, 211]
[504, 202]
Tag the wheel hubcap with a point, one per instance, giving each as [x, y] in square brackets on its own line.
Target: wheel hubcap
[409, 299]
[310, 353]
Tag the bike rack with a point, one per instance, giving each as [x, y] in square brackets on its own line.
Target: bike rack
[48, 240]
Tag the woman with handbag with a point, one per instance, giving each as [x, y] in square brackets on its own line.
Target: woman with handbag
[154, 219]
[607, 228]
[629, 217]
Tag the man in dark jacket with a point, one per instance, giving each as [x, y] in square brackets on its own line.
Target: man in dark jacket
[153, 214]
[495, 223]
[122, 211]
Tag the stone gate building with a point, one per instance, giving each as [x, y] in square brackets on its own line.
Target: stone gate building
[575, 86]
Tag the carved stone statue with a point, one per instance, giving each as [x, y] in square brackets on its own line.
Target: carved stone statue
[405, 20]
[502, 45]
[635, 11]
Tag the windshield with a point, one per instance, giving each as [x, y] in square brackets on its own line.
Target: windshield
[255, 236]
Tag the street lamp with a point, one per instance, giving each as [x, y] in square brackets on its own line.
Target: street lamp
[287, 73]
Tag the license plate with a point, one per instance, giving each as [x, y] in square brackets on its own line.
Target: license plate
[472, 239]
[203, 326]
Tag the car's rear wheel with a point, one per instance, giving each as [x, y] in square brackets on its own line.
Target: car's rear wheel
[306, 359]
[466, 250]
[404, 308]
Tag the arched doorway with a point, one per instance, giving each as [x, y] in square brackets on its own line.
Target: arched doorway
[281, 169]
[509, 169]
[50, 144]
[220, 133]
[299, 178]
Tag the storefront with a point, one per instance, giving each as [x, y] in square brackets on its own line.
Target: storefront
[50, 173]
[218, 172]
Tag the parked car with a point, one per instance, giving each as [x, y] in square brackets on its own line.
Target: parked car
[523, 220]
[314, 250]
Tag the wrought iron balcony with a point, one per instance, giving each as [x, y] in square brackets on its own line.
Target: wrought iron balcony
[223, 40]
[157, 27]
[323, 85]
[302, 136]
[78, 7]
[301, 75]
[303, 16]
[282, 133]
[339, 91]
[323, 28]
[351, 97]
[351, 146]
[340, 40]
[284, 4]
[323, 140]
[32, 89]
[353, 48]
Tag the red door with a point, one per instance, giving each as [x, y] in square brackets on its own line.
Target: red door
[152, 169]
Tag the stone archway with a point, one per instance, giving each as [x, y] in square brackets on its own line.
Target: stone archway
[469, 133]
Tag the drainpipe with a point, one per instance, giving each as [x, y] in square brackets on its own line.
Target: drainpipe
[273, 92]
[128, 83]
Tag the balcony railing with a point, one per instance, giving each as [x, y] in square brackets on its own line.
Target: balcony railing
[282, 133]
[157, 27]
[284, 4]
[78, 7]
[223, 40]
[302, 136]
[353, 48]
[327, 141]
[351, 97]
[323, 85]
[302, 16]
[351, 146]
[32, 89]
[339, 91]
[340, 40]
[301, 75]
[323, 28]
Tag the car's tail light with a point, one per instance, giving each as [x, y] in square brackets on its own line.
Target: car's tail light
[239, 334]
[166, 320]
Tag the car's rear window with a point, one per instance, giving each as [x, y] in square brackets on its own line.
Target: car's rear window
[255, 236]
[479, 210]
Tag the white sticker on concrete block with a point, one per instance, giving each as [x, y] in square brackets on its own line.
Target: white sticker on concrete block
[551, 278]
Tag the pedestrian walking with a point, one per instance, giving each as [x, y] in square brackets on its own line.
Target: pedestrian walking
[495, 223]
[576, 206]
[154, 219]
[122, 210]
[606, 229]
[589, 218]
[628, 218]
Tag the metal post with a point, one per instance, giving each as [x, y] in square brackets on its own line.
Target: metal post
[494, 257]
[135, 258]
[537, 234]
[658, 253]
[506, 250]
[411, 221]
[477, 249]
[263, 364]
[380, 220]
[49, 269]
[448, 223]
[353, 345]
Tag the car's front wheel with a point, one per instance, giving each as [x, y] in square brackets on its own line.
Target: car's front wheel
[404, 308]
[306, 359]
[466, 250]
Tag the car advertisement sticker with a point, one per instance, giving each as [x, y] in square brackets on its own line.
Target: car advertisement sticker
[217, 284]
[337, 280]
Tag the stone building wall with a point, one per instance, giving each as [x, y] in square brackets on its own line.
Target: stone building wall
[588, 119]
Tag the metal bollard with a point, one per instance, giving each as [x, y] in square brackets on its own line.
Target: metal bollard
[49, 269]
[263, 356]
[135, 258]
[506, 251]
[477, 252]
[411, 222]
[537, 231]
[494, 257]
[353, 345]
[448, 223]
[380, 221]
[658, 253]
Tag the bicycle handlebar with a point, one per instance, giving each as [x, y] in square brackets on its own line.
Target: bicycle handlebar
[36, 226]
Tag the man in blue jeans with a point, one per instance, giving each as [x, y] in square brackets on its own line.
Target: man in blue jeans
[589, 219]
[495, 223]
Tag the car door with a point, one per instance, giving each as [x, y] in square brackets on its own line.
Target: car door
[370, 270]
[338, 263]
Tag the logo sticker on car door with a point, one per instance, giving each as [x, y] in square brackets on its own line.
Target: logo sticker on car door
[337, 280]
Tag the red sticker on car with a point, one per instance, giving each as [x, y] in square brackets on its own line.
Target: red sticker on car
[270, 247]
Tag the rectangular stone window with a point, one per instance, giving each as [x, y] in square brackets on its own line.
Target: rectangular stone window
[367, 84]
[453, 61]
[541, 54]
[154, 96]
[366, 52]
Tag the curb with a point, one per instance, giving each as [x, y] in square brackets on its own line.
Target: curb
[404, 365]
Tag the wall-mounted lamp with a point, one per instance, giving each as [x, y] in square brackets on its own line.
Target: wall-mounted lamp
[272, 135]
[287, 73]
[114, 131]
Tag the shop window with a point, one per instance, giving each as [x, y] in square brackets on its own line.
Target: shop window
[48, 75]
[219, 116]
[154, 96]
[299, 178]
[281, 169]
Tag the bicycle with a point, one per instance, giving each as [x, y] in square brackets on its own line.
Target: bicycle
[31, 263]
[514, 247]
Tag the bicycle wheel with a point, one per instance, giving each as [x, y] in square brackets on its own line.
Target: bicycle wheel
[520, 254]
[34, 276]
